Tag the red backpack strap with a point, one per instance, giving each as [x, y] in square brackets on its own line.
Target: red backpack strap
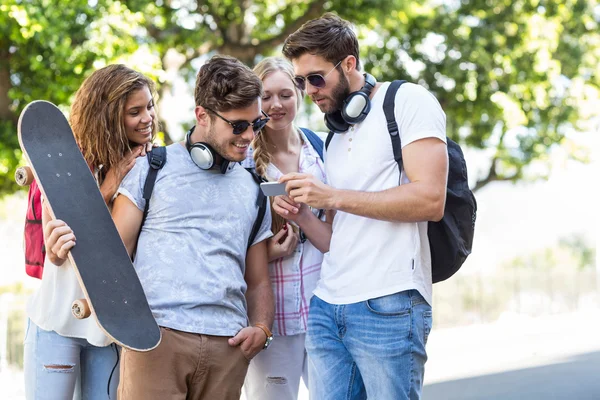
[35, 251]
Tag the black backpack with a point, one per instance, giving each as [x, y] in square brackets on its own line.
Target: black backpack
[261, 203]
[451, 238]
[157, 158]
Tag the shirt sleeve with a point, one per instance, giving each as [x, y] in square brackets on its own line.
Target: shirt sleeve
[265, 228]
[419, 114]
[132, 185]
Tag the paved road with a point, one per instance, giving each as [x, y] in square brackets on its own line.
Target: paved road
[550, 357]
[545, 358]
[578, 377]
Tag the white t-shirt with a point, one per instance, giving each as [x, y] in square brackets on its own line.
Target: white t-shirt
[369, 258]
[50, 306]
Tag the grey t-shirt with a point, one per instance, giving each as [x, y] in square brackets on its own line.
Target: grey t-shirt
[191, 251]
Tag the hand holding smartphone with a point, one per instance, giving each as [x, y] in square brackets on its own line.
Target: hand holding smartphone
[273, 188]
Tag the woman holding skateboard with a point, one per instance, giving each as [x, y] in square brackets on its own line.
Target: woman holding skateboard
[294, 259]
[114, 121]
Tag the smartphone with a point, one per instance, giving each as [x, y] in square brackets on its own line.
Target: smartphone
[273, 188]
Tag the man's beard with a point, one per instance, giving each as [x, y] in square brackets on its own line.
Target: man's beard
[340, 92]
[212, 142]
[219, 147]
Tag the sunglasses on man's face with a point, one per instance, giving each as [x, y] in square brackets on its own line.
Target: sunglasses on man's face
[240, 127]
[316, 80]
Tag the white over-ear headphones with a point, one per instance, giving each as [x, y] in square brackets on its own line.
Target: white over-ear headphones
[204, 156]
[354, 110]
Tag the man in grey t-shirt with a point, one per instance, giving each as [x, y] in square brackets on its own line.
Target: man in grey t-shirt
[209, 292]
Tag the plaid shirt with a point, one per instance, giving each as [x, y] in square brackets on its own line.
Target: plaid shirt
[294, 277]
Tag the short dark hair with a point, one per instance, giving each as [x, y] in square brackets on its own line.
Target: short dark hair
[224, 83]
[329, 36]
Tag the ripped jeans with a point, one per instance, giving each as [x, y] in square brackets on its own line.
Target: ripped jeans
[274, 374]
[53, 364]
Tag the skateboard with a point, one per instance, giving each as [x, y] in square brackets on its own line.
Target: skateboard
[114, 294]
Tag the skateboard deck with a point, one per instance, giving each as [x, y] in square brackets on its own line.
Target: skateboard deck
[101, 263]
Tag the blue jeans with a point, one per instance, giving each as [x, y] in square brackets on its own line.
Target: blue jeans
[374, 349]
[53, 363]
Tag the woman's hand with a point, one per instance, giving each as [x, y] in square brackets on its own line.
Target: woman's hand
[116, 173]
[59, 239]
[290, 210]
[148, 148]
[282, 244]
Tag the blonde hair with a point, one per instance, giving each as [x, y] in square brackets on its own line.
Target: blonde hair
[261, 155]
[97, 114]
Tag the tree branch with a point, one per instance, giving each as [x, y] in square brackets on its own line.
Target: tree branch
[5, 85]
[247, 52]
[221, 26]
[314, 10]
[493, 177]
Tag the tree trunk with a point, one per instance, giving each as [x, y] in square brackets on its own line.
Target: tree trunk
[5, 85]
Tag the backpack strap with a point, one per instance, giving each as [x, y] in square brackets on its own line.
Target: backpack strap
[314, 140]
[157, 158]
[261, 203]
[389, 104]
[35, 197]
[328, 140]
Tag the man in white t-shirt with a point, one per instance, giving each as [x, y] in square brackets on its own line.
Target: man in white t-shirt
[371, 313]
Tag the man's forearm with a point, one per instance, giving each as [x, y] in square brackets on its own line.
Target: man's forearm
[261, 304]
[317, 231]
[411, 202]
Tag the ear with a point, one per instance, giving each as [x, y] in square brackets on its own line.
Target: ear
[349, 65]
[202, 117]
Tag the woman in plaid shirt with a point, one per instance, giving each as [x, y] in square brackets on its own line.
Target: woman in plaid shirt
[294, 259]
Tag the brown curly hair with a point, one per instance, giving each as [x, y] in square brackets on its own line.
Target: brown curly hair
[261, 155]
[224, 83]
[97, 114]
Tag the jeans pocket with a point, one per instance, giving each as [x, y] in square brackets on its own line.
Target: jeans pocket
[427, 323]
[392, 305]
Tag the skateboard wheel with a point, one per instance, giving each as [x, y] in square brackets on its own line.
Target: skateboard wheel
[81, 309]
[23, 176]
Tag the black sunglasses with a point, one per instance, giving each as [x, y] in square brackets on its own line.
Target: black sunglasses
[240, 127]
[316, 80]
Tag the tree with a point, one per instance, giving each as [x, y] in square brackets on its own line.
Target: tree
[46, 50]
[512, 76]
[182, 31]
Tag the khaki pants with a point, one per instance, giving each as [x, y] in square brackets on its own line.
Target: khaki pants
[184, 366]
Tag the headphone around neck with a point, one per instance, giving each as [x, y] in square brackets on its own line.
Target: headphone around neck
[205, 157]
[354, 110]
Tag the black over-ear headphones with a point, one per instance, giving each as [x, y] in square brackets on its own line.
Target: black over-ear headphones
[204, 156]
[354, 110]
